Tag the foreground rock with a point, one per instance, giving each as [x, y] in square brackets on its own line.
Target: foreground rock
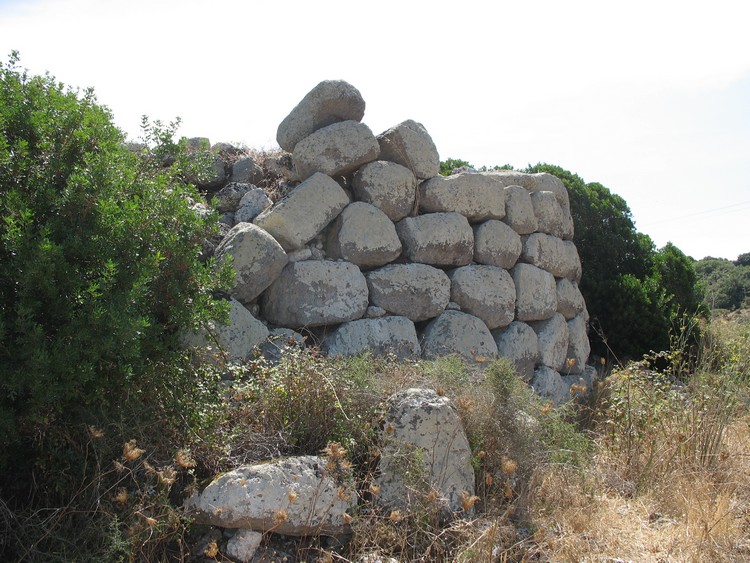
[295, 496]
[425, 450]
[385, 335]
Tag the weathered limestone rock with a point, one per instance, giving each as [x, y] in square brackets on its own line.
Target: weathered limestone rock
[519, 211]
[246, 171]
[243, 545]
[234, 340]
[211, 176]
[553, 341]
[579, 347]
[570, 301]
[548, 384]
[251, 205]
[416, 291]
[257, 259]
[425, 450]
[385, 335]
[552, 254]
[548, 213]
[409, 144]
[304, 212]
[388, 186]
[228, 198]
[459, 333]
[496, 244]
[365, 236]
[536, 293]
[440, 239]
[329, 102]
[486, 292]
[519, 343]
[475, 196]
[296, 496]
[316, 293]
[335, 150]
[280, 341]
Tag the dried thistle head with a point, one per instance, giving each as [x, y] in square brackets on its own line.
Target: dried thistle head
[95, 433]
[488, 479]
[130, 451]
[347, 518]
[509, 466]
[184, 459]
[374, 489]
[149, 468]
[280, 516]
[292, 496]
[343, 494]
[119, 467]
[167, 476]
[547, 408]
[395, 516]
[468, 501]
[212, 549]
[121, 497]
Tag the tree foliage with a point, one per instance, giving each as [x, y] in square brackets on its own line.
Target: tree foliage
[99, 266]
[727, 283]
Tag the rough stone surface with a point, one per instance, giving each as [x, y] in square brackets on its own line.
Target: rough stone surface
[536, 294]
[315, 293]
[234, 340]
[293, 496]
[570, 301]
[423, 429]
[477, 197]
[486, 292]
[454, 332]
[579, 347]
[329, 102]
[245, 170]
[280, 341]
[416, 291]
[228, 198]
[519, 343]
[519, 211]
[552, 254]
[549, 384]
[439, 239]
[304, 212]
[409, 144]
[257, 259]
[252, 204]
[243, 545]
[496, 244]
[385, 335]
[549, 214]
[335, 150]
[553, 341]
[365, 236]
[388, 186]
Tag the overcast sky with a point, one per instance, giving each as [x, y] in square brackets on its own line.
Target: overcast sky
[650, 98]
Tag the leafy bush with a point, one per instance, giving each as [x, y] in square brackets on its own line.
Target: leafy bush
[99, 269]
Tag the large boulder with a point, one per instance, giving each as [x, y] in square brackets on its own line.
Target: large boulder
[496, 244]
[409, 144]
[256, 257]
[486, 292]
[231, 341]
[365, 236]
[549, 384]
[384, 335]
[454, 332]
[519, 343]
[296, 496]
[549, 214]
[335, 150]
[425, 451]
[252, 204]
[388, 186]
[439, 239]
[304, 212]
[552, 254]
[570, 301]
[245, 170]
[228, 198]
[519, 211]
[316, 293]
[329, 102]
[579, 347]
[416, 291]
[536, 293]
[475, 196]
[553, 341]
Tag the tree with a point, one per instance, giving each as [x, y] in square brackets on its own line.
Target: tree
[99, 268]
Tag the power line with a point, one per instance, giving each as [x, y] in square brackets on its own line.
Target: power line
[725, 209]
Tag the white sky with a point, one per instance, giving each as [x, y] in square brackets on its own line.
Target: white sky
[650, 98]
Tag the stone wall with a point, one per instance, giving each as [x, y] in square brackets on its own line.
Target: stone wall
[372, 250]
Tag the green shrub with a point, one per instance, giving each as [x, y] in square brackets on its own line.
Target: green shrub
[99, 269]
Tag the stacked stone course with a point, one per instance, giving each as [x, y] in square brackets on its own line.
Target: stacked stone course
[389, 256]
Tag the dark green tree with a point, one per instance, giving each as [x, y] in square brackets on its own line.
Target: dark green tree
[449, 165]
[99, 268]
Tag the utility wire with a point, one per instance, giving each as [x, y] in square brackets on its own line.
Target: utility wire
[725, 209]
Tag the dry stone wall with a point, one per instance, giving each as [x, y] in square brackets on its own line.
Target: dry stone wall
[375, 251]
